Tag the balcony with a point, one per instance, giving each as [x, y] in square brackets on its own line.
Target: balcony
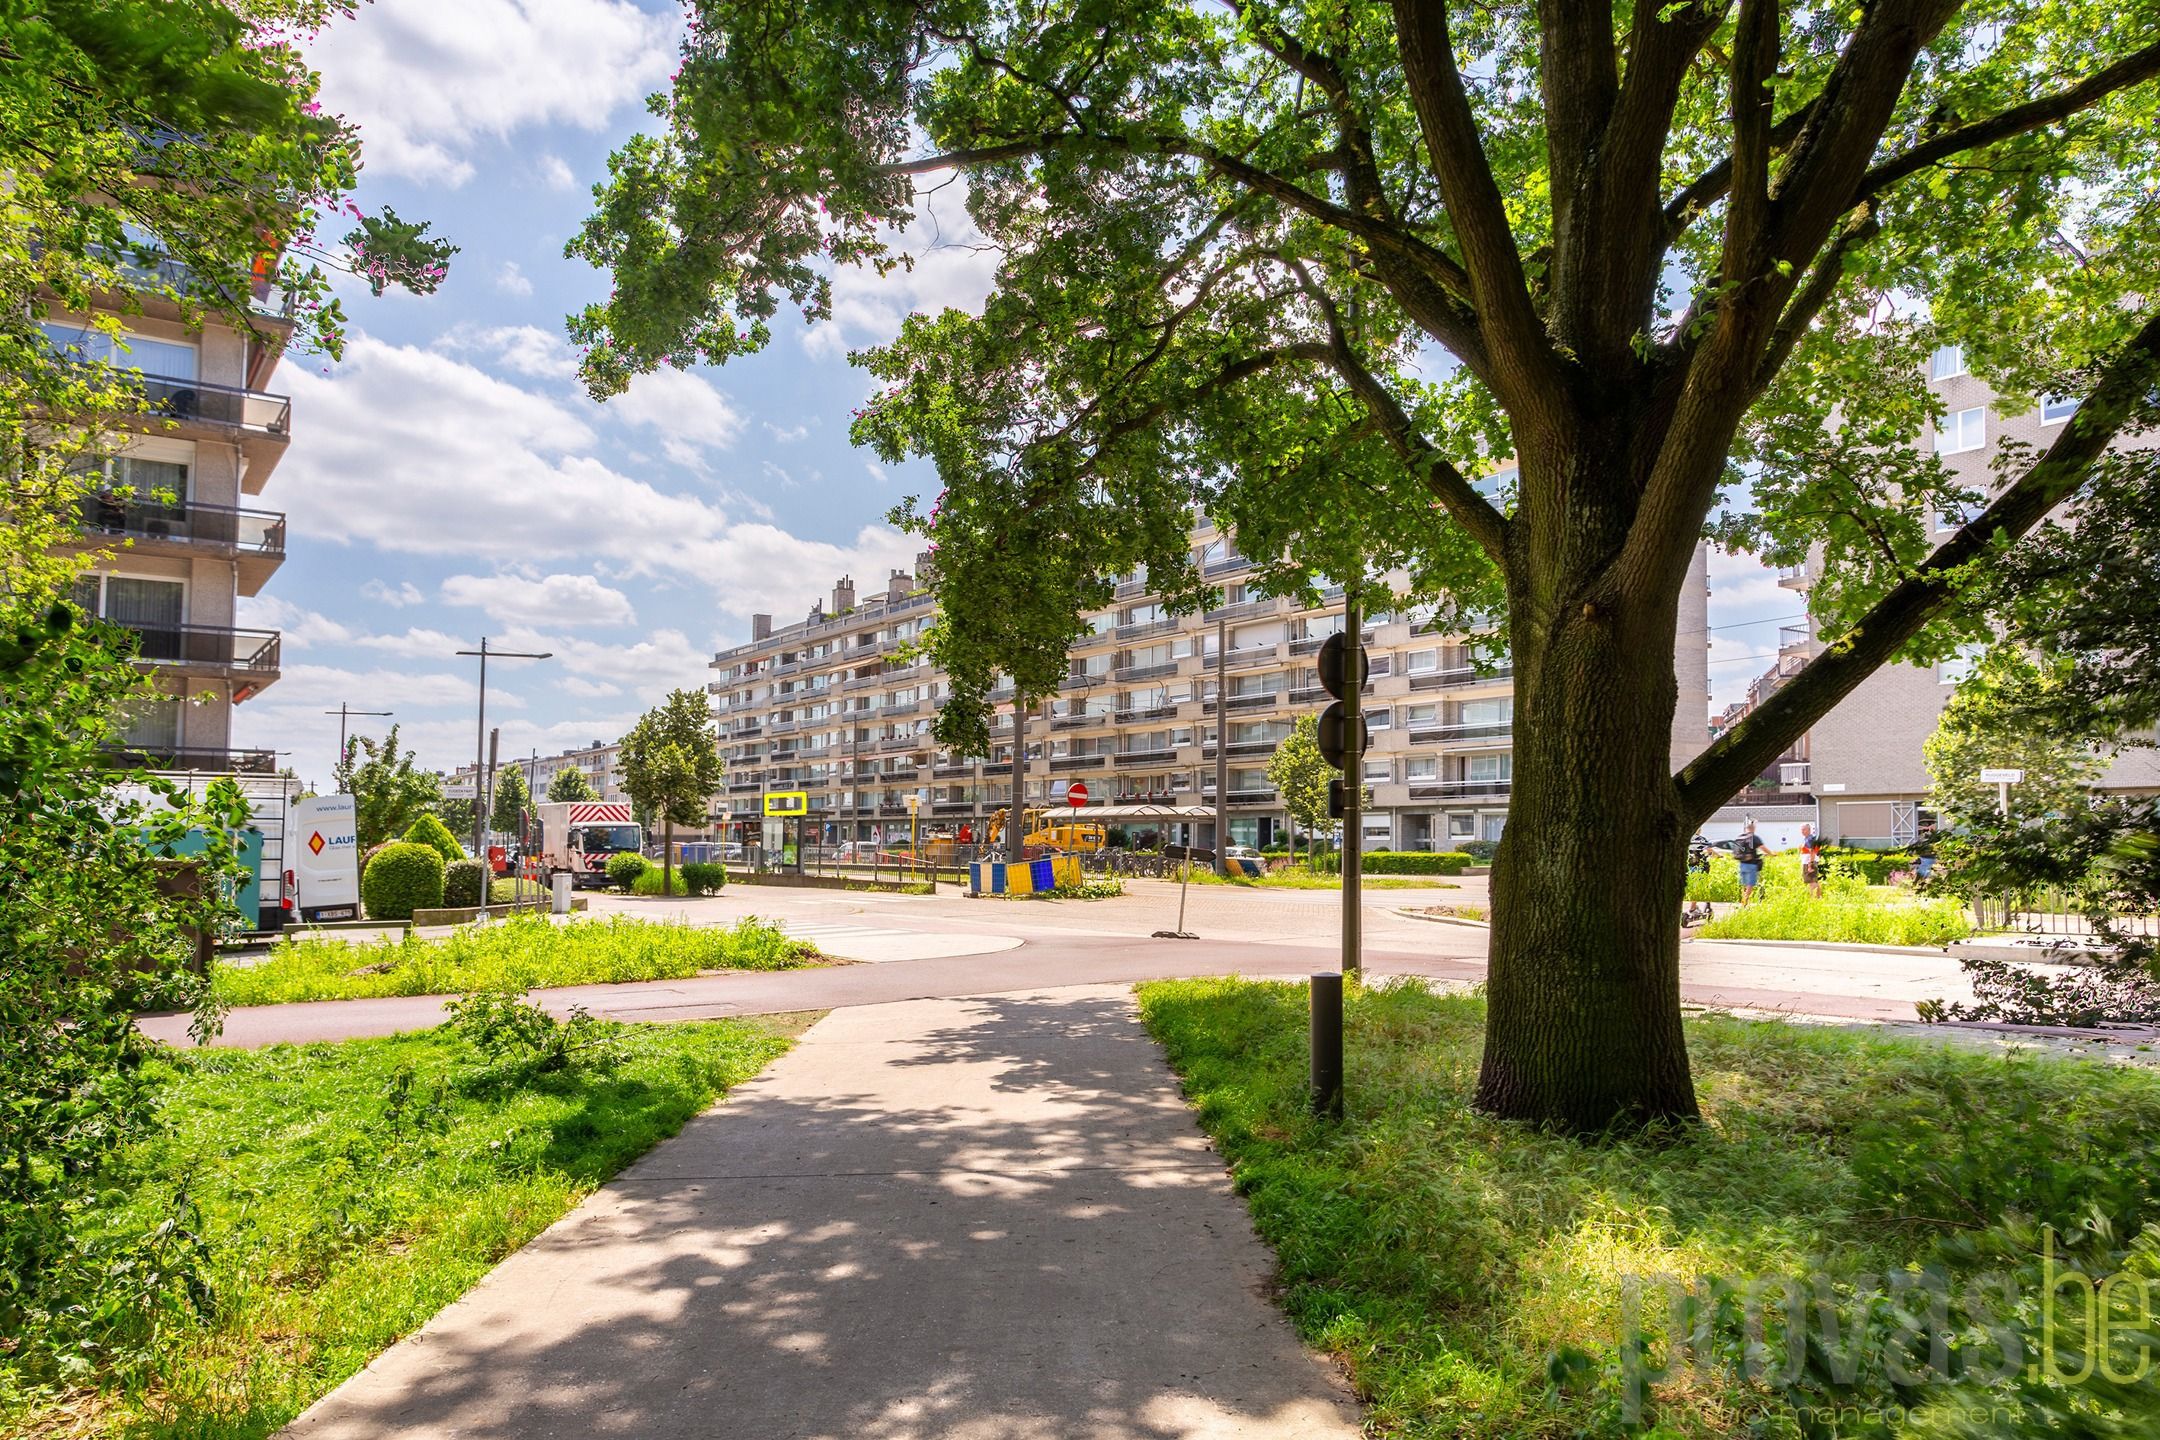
[199, 762]
[1795, 775]
[1246, 658]
[954, 769]
[262, 422]
[744, 787]
[1792, 639]
[1229, 566]
[905, 707]
[1461, 789]
[1082, 680]
[1145, 759]
[954, 807]
[1077, 762]
[1080, 721]
[255, 538]
[1243, 749]
[1145, 672]
[1264, 796]
[904, 742]
[1243, 609]
[781, 727]
[1460, 675]
[1128, 589]
[1146, 627]
[236, 654]
[1150, 712]
[1792, 577]
[1462, 734]
[1263, 700]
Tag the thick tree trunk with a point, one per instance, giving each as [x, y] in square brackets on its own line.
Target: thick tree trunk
[1583, 1026]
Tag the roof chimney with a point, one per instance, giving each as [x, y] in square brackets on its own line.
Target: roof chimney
[761, 627]
[843, 595]
[896, 589]
[925, 565]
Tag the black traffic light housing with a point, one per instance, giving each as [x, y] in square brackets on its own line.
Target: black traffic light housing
[1342, 670]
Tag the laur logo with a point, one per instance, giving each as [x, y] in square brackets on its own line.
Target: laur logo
[315, 843]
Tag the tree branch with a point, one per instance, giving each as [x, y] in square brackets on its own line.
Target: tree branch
[1435, 471]
[1710, 187]
[1523, 362]
[1815, 293]
[1740, 754]
[2138, 66]
[1754, 65]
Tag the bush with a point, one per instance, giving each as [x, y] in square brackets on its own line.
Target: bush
[403, 877]
[462, 882]
[430, 831]
[1481, 851]
[703, 877]
[1790, 913]
[623, 869]
[648, 881]
[1417, 862]
[1875, 867]
[511, 1031]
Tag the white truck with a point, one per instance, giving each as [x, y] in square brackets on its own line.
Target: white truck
[578, 836]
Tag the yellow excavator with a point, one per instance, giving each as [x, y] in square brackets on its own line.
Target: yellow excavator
[1078, 837]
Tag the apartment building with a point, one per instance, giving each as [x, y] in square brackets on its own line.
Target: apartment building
[173, 512]
[1862, 762]
[600, 762]
[835, 706]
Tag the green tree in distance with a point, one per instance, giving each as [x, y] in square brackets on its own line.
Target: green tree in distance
[512, 796]
[571, 783]
[1315, 271]
[1300, 775]
[1996, 719]
[389, 791]
[671, 766]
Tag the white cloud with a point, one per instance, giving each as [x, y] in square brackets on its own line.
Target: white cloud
[418, 452]
[877, 472]
[546, 600]
[427, 82]
[588, 689]
[522, 349]
[955, 268]
[786, 436]
[688, 414]
[512, 280]
[556, 173]
[380, 592]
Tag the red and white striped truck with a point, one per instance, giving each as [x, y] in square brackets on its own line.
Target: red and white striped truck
[578, 836]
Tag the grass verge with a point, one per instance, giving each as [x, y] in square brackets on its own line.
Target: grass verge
[342, 1194]
[1850, 919]
[1473, 1274]
[523, 952]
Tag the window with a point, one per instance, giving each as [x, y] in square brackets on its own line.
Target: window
[166, 359]
[1947, 361]
[1962, 430]
[2054, 409]
[1462, 826]
[1497, 486]
[1489, 712]
[1489, 767]
[1421, 767]
[1960, 665]
[1424, 662]
[153, 724]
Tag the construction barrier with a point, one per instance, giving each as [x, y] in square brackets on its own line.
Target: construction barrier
[1032, 877]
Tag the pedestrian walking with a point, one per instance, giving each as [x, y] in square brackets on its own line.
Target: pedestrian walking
[1923, 852]
[1811, 860]
[1749, 851]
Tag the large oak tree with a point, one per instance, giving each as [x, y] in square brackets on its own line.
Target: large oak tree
[1309, 268]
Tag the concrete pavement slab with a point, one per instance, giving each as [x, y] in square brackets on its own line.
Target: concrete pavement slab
[956, 1218]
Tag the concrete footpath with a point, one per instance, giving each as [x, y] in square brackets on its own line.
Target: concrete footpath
[956, 1218]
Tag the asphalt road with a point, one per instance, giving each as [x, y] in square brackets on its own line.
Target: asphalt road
[950, 946]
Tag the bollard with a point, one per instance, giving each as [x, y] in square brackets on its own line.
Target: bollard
[1327, 1045]
[562, 893]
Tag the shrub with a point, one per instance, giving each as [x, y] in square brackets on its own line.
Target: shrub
[1480, 851]
[703, 877]
[1874, 867]
[511, 1031]
[462, 882]
[403, 877]
[430, 831]
[648, 881]
[623, 869]
[1417, 862]
[1788, 912]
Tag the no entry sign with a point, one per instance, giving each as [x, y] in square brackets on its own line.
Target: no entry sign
[1076, 794]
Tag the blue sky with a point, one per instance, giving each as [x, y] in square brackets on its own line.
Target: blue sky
[448, 478]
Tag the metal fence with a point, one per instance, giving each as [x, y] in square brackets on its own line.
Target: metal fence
[2051, 910]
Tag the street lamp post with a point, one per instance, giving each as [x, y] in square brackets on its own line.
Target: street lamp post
[480, 756]
[345, 712]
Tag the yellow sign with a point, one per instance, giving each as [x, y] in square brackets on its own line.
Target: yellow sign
[788, 802]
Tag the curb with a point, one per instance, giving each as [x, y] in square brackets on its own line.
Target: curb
[1848, 946]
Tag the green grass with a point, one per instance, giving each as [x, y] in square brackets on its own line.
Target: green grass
[1863, 920]
[1449, 1260]
[523, 952]
[347, 1192]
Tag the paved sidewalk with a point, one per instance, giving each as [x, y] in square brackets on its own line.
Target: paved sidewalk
[987, 1219]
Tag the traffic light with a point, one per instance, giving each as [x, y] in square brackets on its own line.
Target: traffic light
[1342, 672]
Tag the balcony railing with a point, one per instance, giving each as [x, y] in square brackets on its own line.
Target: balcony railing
[211, 645]
[1127, 589]
[1795, 774]
[1243, 748]
[948, 768]
[1460, 789]
[1792, 637]
[1147, 627]
[218, 762]
[259, 532]
[1226, 567]
[201, 403]
[1460, 675]
[1792, 577]
[1145, 672]
[1461, 734]
[1145, 759]
[1080, 721]
[1260, 701]
[1078, 762]
[1243, 608]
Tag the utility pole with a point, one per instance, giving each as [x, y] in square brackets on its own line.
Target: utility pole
[1222, 748]
[345, 712]
[1342, 744]
[480, 765]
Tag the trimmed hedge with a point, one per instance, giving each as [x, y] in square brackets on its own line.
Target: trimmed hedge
[430, 831]
[462, 883]
[624, 867]
[403, 877]
[1416, 862]
[702, 877]
[649, 880]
